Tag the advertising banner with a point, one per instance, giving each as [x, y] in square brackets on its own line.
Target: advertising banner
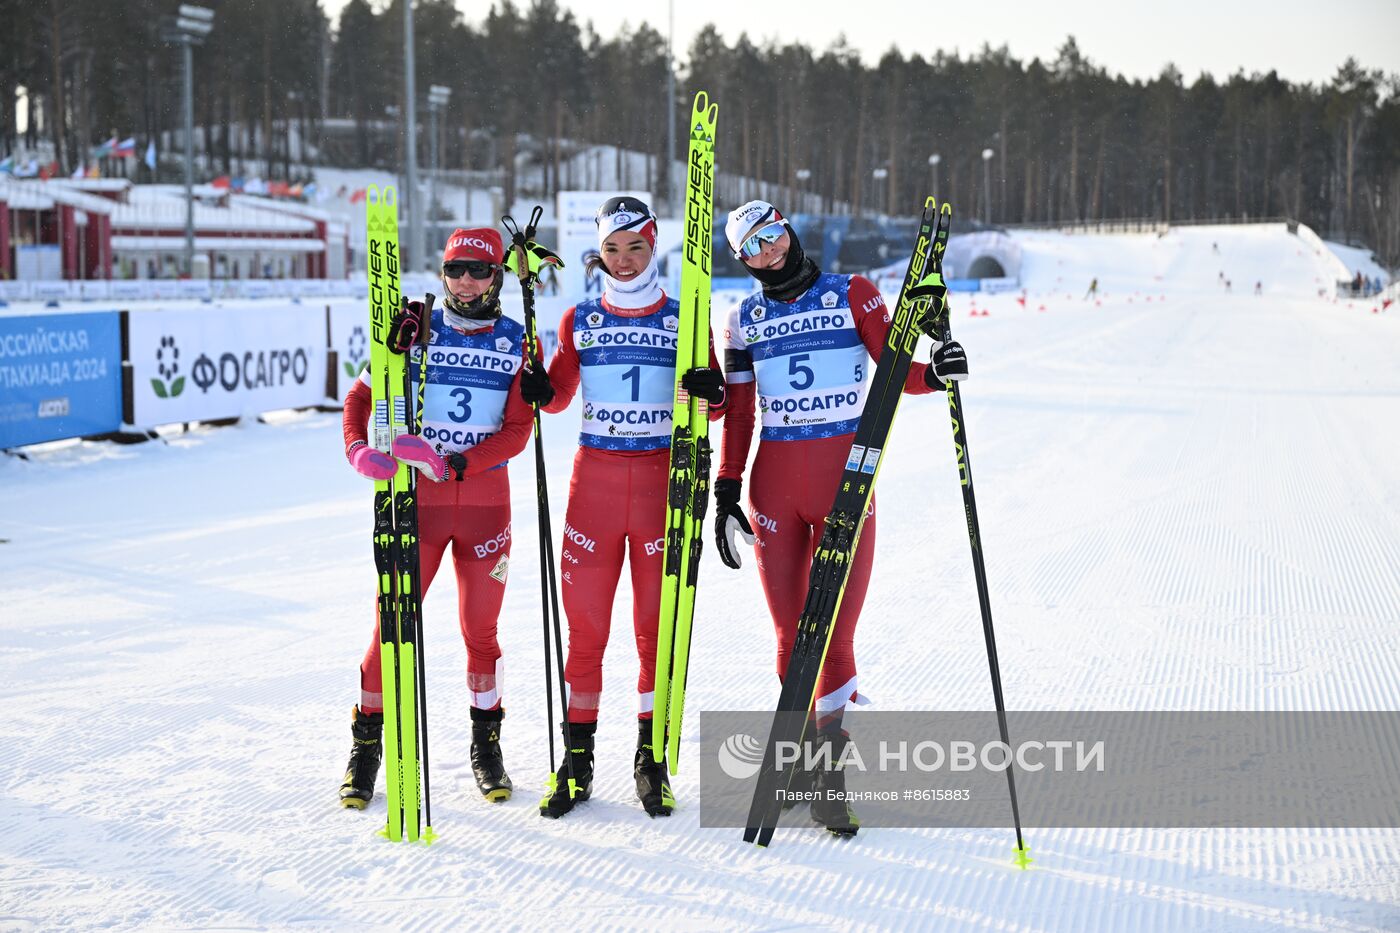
[206, 363]
[127, 289]
[52, 290]
[95, 289]
[14, 291]
[60, 376]
[348, 324]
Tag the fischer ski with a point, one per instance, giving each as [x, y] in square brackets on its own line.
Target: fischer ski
[395, 413]
[923, 289]
[688, 487]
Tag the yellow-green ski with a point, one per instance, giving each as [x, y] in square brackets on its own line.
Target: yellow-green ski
[395, 533]
[688, 489]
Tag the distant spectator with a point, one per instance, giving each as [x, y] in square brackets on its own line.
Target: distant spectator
[1259, 288]
[1093, 289]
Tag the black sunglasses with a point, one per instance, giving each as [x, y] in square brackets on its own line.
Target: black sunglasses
[472, 267]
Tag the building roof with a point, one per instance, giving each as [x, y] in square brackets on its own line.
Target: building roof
[335, 223]
[66, 194]
[162, 207]
[95, 184]
[24, 196]
[216, 244]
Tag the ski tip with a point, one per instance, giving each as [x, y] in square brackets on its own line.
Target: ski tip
[1021, 857]
[372, 194]
[702, 101]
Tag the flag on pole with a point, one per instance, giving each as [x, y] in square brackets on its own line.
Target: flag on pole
[151, 155]
[127, 147]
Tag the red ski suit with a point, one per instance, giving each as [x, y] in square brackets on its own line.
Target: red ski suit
[617, 500]
[794, 481]
[473, 515]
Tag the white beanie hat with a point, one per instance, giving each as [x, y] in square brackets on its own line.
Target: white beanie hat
[743, 219]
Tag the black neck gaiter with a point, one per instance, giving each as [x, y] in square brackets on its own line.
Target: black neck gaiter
[790, 280]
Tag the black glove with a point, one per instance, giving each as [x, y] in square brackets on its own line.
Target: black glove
[704, 382]
[404, 327]
[729, 518]
[948, 363]
[534, 385]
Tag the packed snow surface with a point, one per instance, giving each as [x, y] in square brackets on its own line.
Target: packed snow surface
[1189, 498]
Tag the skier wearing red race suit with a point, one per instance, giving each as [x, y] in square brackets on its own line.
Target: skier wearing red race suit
[802, 350]
[474, 420]
[622, 350]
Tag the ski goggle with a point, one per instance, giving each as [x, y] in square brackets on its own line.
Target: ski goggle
[763, 236]
[472, 267]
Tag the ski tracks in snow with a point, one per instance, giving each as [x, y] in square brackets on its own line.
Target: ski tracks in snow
[1185, 504]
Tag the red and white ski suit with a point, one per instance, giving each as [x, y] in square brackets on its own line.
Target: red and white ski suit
[472, 515]
[809, 357]
[625, 359]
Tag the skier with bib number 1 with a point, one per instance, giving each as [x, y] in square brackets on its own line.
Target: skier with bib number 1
[621, 349]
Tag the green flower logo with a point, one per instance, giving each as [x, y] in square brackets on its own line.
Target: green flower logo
[355, 359]
[168, 365]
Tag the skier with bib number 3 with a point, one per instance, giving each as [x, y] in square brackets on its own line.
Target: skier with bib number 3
[622, 349]
[803, 349]
[474, 420]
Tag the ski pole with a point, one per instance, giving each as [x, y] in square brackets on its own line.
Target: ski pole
[424, 332]
[549, 585]
[942, 332]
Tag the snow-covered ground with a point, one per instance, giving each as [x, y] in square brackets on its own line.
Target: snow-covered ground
[1190, 499]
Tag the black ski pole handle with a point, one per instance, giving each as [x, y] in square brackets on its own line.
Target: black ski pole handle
[423, 331]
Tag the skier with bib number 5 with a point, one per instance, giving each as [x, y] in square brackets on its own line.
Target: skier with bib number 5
[803, 349]
[474, 420]
[622, 350]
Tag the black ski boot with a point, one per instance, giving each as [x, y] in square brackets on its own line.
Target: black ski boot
[830, 807]
[653, 789]
[578, 746]
[487, 767]
[357, 789]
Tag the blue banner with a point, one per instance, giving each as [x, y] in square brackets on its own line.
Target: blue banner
[60, 376]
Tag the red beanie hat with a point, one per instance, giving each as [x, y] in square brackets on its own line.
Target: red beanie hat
[476, 243]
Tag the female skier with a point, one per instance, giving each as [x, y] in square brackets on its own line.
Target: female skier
[804, 345]
[622, 348]
[474, 420]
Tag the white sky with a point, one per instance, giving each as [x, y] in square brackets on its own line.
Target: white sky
[1305, 40]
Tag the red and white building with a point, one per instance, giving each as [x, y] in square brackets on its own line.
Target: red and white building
[107, 228]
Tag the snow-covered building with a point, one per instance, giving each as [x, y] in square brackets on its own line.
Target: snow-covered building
[53, 232]
[110, 228]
